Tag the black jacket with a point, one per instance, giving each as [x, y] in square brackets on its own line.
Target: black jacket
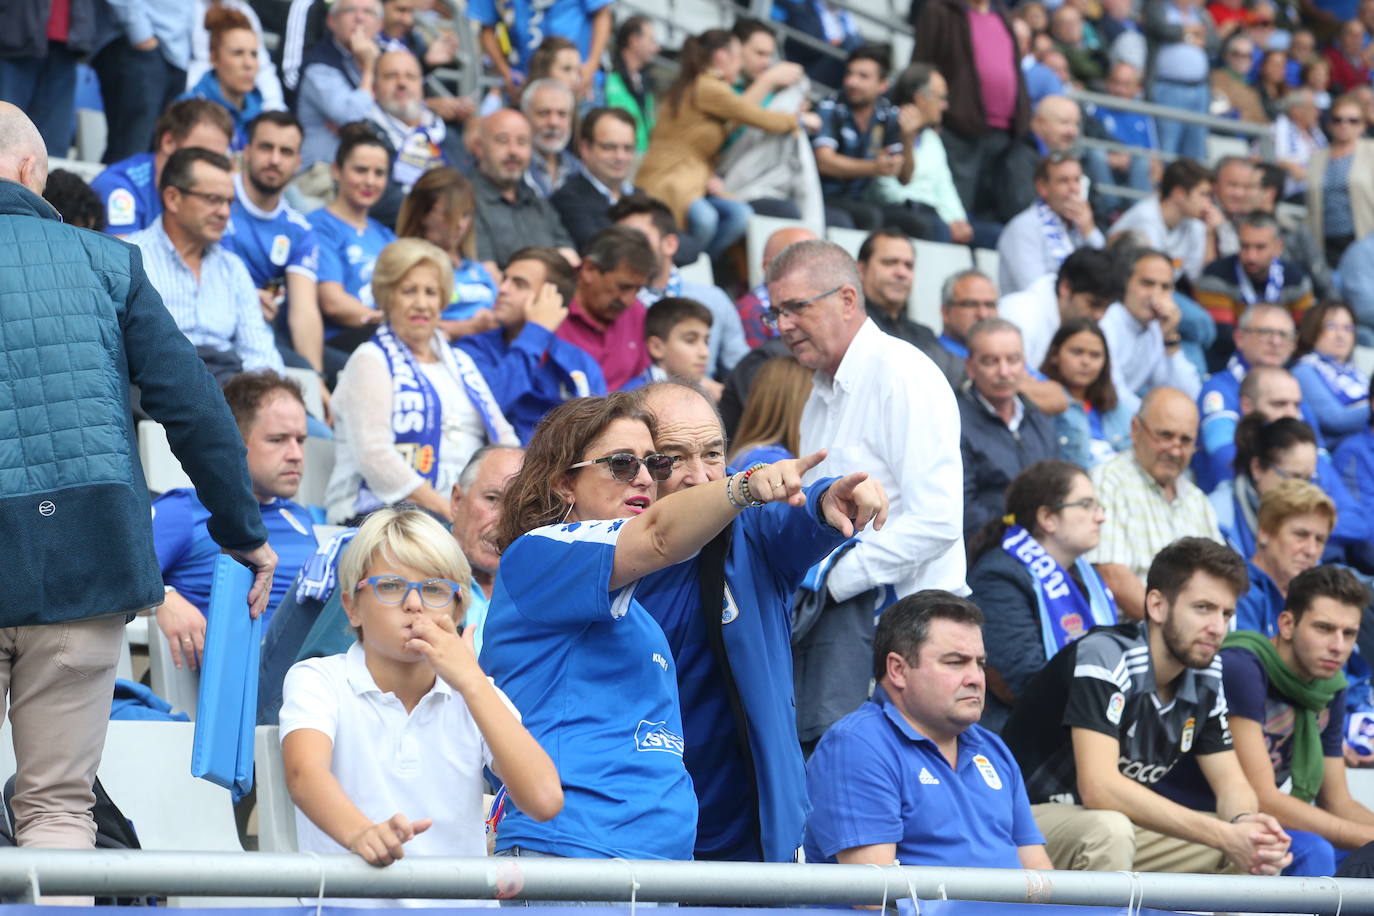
[993, 454]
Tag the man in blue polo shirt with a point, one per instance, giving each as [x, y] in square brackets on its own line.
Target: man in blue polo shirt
[910, 776]
[128, 188]
[270, 413]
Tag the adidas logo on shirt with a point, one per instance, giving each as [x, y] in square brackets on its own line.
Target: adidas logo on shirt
[927, 779]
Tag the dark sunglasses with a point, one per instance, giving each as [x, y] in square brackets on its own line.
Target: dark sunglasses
[625, 466]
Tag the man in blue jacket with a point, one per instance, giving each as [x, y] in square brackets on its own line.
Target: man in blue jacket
[735, 676]
[79, 322]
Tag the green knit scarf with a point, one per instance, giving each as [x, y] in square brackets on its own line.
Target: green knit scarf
[1309, 698]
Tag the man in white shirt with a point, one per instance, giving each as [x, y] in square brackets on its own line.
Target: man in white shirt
[1180, 221]
[1056, 224]
[1086, 283]
[1142, 332]
[879, 403]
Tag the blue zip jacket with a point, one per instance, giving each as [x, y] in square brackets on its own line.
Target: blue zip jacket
[79, 321]
[770, 551]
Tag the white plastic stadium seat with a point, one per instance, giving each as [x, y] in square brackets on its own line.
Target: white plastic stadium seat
[851, 240]
[699, 271]
[1363, 358]
[934, 262]
[161, 470]
[310, 389]
[276, 811]
[756, 237]
[319, 464]
[988, 261]
[178, 686]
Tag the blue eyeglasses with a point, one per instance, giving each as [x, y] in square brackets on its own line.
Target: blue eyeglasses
[434, 593]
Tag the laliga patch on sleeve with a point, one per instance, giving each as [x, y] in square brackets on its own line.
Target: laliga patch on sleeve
[281, 250]
[1115, 706]
[119, 208]
[1213, 402]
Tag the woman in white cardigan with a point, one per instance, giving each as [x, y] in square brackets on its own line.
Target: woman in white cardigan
[410, 410]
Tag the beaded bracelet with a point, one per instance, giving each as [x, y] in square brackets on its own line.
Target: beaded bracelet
[735, 502]
[748, 493]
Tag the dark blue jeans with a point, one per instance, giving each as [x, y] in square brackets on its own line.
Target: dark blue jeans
[135, 86]
[45, 88]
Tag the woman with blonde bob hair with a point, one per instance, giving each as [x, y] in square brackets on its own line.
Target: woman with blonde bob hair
[770, 426]
[409, 409]
[568, 641]
[1295, 522]
[441, 208]
[357, 785]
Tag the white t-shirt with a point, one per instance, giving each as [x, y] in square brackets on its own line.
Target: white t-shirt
[426, 763]
[1186, 243]
[1035, 310]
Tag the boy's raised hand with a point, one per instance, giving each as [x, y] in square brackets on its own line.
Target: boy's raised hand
[453, 657]
[380, 844]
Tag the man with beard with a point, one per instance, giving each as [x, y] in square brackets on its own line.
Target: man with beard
[420, 137]
[510, 214]
[549, 105]
[274, 241]
[1149, 502]
[1131, 700]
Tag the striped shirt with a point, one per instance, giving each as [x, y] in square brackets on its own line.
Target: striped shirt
[220, 310]
[1141, 521]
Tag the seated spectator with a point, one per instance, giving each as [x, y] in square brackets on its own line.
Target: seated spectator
[1335, 391]
[1269, 449]
[864, 136]
[753, 305]
[592, 463]
[129, 187]
[270, 413]
[1085, 284]
[1286, 701]
[1121, 33]
[510, 214]
[828, 22]
[419, 137]
[887, 269]
[1096, 425]
[966, 298]
[350, 242]
[525, 25]
[1295, 522]
[276, 243]
[440, 209]
[349, 740]
[1297, 137]
[1041, 80]
[655, 221]
[338, 77]
[1231, 81]
[604, 317]
[1132, 700]
[1150, 502]
[1340, 187]
[1036, 242]
[1178, 219]
[398, 27]
[930, 188]
[1349, 57]
[1087, 63]
[1258, 274]
[1183, 40]
[1002, 431]
[1055, 128]
[1142, 330]
[410, 409]
[1271, 82]
[1235, 185]
[770, 426]
[206, 288]
[1028, 570]
[74, 200]
[885, 781]
[549, 105]
[140, 64]
[1356, 288]
[1315, 77]
[675, 334]
[694, 119]
[528, 368]
[232, 80]
[629, 85]
[606, 147]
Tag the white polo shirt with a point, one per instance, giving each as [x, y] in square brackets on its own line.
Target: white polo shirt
[426, 763]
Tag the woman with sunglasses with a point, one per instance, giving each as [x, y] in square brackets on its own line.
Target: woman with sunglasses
[567, 640]
[1340, 182]
[1029, 576]
[1266, 453]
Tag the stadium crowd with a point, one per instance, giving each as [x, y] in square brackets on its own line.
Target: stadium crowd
[679, 566]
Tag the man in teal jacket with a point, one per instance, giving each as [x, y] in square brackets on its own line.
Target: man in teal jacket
[79, 322]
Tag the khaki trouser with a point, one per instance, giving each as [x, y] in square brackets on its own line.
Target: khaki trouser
[59, 680]
[1091, 840]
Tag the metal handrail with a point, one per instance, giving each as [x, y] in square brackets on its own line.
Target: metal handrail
[1218, 124]
[27, 872]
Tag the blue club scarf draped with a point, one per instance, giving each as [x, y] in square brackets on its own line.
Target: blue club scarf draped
[1344, 380]
[415, 421]
[1065, 612]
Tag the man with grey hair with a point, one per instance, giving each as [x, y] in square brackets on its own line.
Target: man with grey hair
[420, 137]
[1001, 432]
[77, 311]
[550, 106]
[880, 404]
[337, 77]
